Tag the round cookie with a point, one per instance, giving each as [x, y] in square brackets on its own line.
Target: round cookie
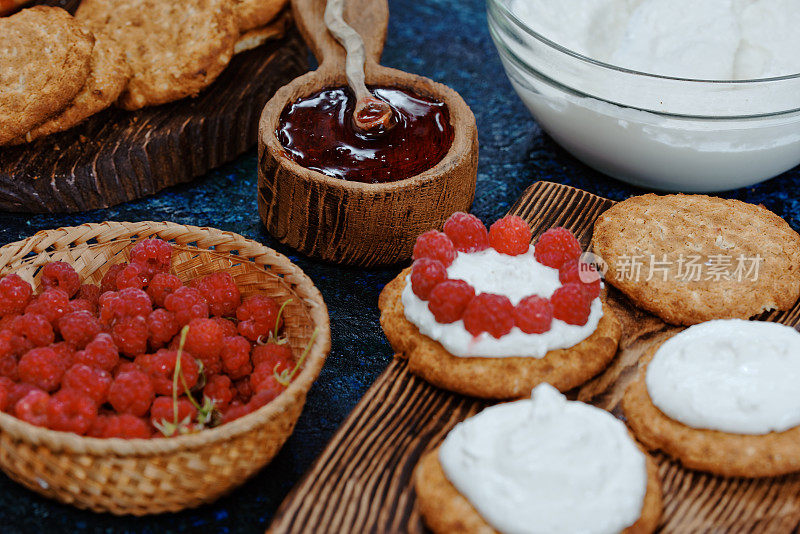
[445, 510]
[44, 63]
[251, 14]
[721, 453]
[670, 239]
[260, 36]
[175, 49]
[107, 78]
[494, 378]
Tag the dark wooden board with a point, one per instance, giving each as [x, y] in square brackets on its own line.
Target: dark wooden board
[362, 480]
[117, 156]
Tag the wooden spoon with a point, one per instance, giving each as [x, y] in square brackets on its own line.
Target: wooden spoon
[352, 222]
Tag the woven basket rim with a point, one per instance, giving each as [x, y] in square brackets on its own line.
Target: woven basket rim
[258, 254]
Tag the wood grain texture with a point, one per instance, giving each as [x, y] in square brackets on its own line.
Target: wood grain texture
[351, 222]
[117, 156]
[362, 481]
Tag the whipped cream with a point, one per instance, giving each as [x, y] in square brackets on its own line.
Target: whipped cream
[730, 375]
[708, 39]
[547, 465]
[515, 277]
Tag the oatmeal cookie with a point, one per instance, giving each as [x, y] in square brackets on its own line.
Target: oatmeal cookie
[259, 36]
[251, 14]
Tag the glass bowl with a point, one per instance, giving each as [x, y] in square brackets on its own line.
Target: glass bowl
[657, 132]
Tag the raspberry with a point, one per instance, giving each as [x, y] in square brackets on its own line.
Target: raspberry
[123, 426]
[133, 275]
[277, 355]
[449, 300]
[52, 304]
[34, 328]
[126, 365]
[80, 305]
[162, 285]
[161, 327]
[489, 313]
[163, 411]
[109, 281]
[467, 232]
[42, 368]
[435, 245]
[161, 368]
[93, 382]
[186, 303]
[557, 246]
[204, 339]
[221, 292]
[65, 352]
[17, 392]
[235, 411]
[218, 389]
[101, 353]
[510, 235]
[6, 321]
[71, 410]
[32, 407]
[6, 385]
[15, 294]
[61, 275]
[8, 367]
[79, 328]
[425, 275]
[90, 293]
[228, 327]
[130, 335]
[571, 304]
[131, 392]
[243, 389]
[235, 355]
[258, 316]
[533, 315]
[577, 272]
[153, 255]
[129, 302]
[263, 379]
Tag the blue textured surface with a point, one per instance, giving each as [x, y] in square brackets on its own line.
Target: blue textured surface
[446, 40]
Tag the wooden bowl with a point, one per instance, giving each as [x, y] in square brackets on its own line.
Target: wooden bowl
[352, 222]
[141, 476]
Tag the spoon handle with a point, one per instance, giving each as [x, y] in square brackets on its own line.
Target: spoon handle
[353, 47]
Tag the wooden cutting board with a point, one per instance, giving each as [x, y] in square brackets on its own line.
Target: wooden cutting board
[362, 480]
[117, 155]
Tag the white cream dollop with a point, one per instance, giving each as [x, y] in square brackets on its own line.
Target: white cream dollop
[733, 376]
[515, 277]
[547, 465]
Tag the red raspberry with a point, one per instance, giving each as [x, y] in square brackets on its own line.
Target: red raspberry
[6, 321]
[243, 389]
[235, 411]
[77, 305]
[435, 245]
[79, 328]
[235, 355]
[577, 272]
[162, 328]
[123, 426]
[186, 303]
[510, 235]
[109, 281]
[425, 275]
[489, 313]
[91, 294]
[41, 368]
[221, 292]
[101, 353]
[126, 365]
[17, 392]
[134, 276]
[15, 294]
[131, 392]
[153, 255]
[61, 275]
[571, 304]
[218, 389]
[162, 285]
[557, 246]
[34, 328]
[65, 352]
[263, 379]
[52, 304]
[228, 327]
[32, 407]
[163, 411]
[8, 367]
[6, 386]
[130, 335]
[449, 300]
[93, 382]
[258, 316]
[129, 302]
[533, 315]
[204, 339]
[467, 232]
[277, 355]
[71, 410]
[161, 368]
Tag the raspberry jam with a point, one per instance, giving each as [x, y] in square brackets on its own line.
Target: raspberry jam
[318, 133]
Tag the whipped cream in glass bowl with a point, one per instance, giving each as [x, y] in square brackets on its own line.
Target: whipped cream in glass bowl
[676, 95]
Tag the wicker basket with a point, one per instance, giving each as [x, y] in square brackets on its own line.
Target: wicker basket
[164, 475]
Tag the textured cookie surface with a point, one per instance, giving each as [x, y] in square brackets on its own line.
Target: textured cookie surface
[494, 378]
[252, 14]
[254, 38]
[721, 453]
[44, 62]
[694, 258]
[174, 48]
[446, 511]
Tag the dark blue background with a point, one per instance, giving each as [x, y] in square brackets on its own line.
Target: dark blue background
[446, 40]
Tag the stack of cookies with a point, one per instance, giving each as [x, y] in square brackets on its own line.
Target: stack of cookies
[57, 70]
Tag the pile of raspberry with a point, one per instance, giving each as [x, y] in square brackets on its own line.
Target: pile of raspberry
[101, 361]
[453, 300]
